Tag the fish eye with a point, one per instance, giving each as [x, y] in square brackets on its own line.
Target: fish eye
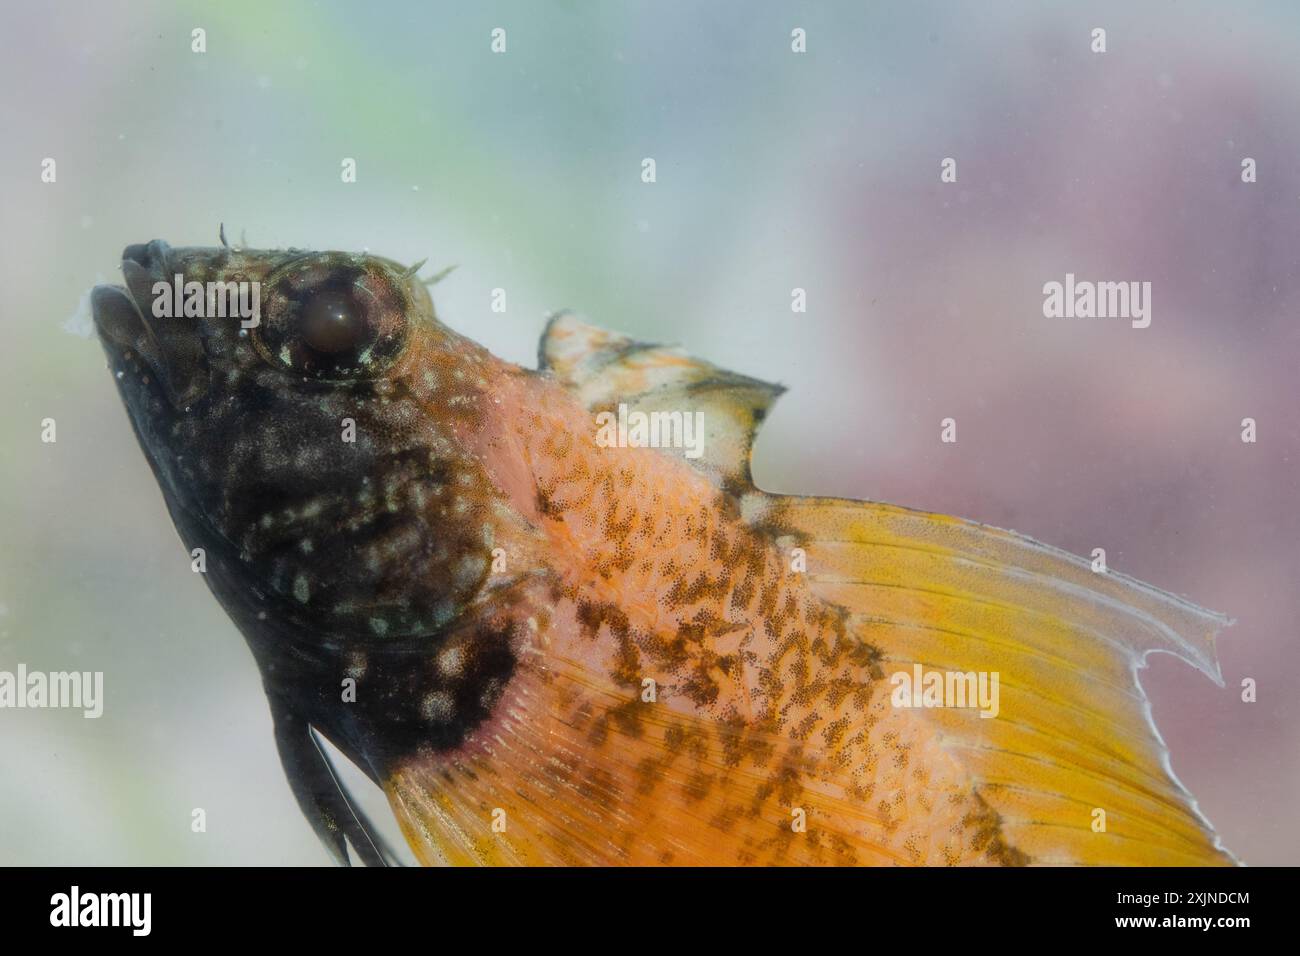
[332, 323]
[326, 320]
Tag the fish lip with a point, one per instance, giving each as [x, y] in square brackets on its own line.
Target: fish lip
[142, 265]
[115, 323]
[116, 316]
[123, 317]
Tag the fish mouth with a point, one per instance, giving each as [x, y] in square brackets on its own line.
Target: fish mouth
[172, 348]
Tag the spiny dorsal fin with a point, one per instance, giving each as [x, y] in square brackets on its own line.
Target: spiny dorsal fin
[605, 369]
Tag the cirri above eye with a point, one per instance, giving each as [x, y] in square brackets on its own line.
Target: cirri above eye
[326, 319]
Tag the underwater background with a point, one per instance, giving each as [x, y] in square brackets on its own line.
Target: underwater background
[775, 171]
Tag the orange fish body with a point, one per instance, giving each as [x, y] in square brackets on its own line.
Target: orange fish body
[582, 650]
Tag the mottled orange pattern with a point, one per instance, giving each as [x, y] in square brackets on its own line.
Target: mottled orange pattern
[770, 700]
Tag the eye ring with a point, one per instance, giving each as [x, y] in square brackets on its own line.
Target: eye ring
[332, 317]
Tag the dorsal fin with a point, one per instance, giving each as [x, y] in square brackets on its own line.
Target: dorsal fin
[605, 369]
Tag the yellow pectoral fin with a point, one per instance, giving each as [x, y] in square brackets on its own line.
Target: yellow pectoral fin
[1071, 762]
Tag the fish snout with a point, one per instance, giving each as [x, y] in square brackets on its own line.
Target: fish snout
[125, 320]
[120, 314]
[151, 256]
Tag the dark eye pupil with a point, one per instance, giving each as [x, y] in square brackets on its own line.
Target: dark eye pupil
[331, 323]
[332, 316]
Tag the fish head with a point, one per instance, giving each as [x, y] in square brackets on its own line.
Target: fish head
[314, 451]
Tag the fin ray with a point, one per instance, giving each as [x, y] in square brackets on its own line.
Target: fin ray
[605, 369]
[954, 595]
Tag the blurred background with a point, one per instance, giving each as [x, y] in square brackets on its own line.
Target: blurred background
[775, 170]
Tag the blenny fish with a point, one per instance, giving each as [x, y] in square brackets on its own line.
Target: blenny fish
[549, 649]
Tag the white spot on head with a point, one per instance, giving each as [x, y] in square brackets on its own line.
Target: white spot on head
[468, 570]
[356, 665]
[491, 691]
[301, 589]
[451, 661]
[438, 706]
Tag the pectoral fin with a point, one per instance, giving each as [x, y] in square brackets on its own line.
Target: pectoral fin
[322, 796]
[579, 771]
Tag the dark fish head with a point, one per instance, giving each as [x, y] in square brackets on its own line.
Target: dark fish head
[313, 451]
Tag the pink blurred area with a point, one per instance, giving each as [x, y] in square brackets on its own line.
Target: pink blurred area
[1089, 433]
